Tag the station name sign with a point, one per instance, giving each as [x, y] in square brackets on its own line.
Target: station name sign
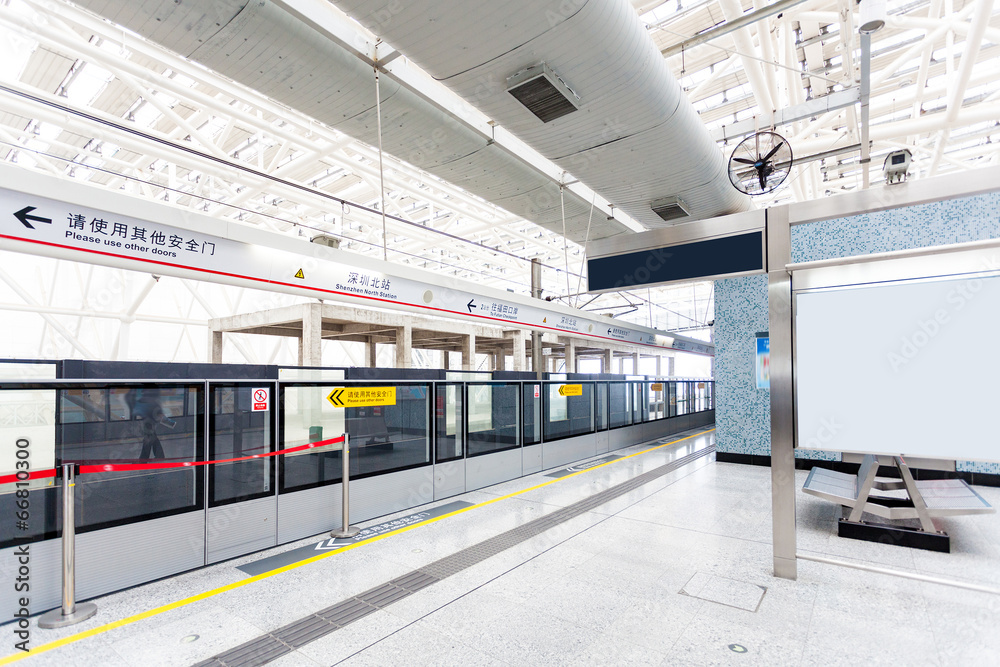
[51, 227]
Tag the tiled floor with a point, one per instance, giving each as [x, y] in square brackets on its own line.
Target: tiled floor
[677, 572]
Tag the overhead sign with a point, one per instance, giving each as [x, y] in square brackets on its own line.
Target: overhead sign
[360, 397]
[656, 386]
[41, 225]
[571, 390]
[260, 398]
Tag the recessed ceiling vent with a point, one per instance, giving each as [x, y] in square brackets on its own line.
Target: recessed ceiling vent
[670, 209]
[543, 93]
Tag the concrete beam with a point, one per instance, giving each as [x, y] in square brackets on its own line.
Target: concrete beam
[518, 339]
[569, 352]
[372, 349]
[216, 343]
[469, 353]
[311, 348]
[404, 346]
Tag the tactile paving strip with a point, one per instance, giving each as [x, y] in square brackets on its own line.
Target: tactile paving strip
[277, 643]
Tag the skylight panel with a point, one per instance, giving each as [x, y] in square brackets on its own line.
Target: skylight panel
[88, 83]
[15, 50]
[146, 115]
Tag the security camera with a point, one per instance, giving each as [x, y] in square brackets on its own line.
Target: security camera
[896, 164]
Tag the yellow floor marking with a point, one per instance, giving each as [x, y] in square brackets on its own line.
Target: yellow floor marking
[291, 566]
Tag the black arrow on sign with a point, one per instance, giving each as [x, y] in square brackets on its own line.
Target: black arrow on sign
[23, 216]
[335, 397]
[471, 304]
[609, 332]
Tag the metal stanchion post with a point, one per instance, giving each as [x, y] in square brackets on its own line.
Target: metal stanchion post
[70, 612]
[347, 530]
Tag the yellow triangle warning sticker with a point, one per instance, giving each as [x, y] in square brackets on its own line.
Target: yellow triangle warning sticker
[299, 274]
[544, 320]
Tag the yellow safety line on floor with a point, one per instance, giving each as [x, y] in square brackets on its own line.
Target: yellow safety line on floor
[291, 566]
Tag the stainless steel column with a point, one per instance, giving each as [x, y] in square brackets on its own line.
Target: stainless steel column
[347, 530]
[779, 299]
[70, 612]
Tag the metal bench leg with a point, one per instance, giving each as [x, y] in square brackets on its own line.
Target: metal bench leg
[915, 497]
[864, 490]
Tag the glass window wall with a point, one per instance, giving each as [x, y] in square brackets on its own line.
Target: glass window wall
[601, 414]
[531, 402]
[639, 404]
[567, 416]
[237, 430]
[656, 391]
[383, 438]
[450, 422]
[619, 410]
[492, 417]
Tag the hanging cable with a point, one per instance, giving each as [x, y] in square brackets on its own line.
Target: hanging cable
[562, 207]
[586, 243]
[381, 173]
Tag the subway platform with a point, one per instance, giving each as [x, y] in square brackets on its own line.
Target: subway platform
[653, 555]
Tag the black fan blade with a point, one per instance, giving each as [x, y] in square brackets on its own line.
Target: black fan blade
[773, 151]
[743, 160]
[763, 179]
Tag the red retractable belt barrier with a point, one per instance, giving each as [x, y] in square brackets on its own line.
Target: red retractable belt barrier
[112, 467]
[24, 475]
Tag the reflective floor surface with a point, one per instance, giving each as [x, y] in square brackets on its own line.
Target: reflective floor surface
[675, 572]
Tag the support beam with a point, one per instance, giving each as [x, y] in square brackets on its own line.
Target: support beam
[635, 363]
[517, 337]
[371, 347]
[469, 353]
[607, 359]
[808, 109]
[569, 353]
[216, 342]
[735, 22]
[311, 349]
[404, 346]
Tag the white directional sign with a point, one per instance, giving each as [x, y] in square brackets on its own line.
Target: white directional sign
[194, 246]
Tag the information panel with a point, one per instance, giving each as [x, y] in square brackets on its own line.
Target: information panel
[900, 368]
[736, 254]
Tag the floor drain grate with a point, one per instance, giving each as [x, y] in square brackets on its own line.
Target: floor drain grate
[275, 644]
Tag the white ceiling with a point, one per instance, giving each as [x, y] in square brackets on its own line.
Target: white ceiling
[72, 82]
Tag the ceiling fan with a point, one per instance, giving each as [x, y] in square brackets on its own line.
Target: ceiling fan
[760, 163]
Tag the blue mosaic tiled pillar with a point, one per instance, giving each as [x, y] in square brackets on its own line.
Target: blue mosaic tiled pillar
[743, 411]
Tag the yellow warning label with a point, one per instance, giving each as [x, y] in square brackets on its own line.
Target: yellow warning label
[299, 274]
[656, 386]
[359, 397]
[544, 320]
[571, 390]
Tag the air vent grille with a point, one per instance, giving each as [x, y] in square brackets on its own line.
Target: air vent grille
[670, 209]
[543, 93]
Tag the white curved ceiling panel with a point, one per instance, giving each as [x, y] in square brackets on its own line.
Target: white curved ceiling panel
[633, 132]
[451, 37]
[263, 47]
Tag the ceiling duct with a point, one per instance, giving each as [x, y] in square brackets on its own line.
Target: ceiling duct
[670, 209]
[634, 138]
[261, 45]
[543, 93]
